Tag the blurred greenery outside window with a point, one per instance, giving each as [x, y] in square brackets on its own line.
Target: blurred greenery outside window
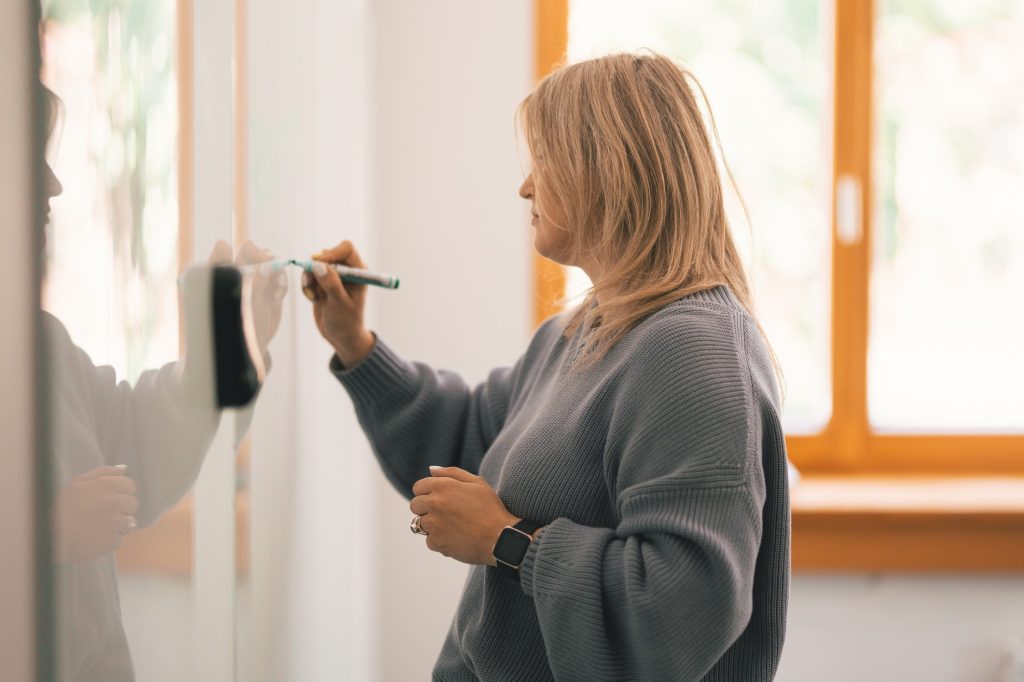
[112, 246]
[947, 287]
[763, 66]
[947, 268]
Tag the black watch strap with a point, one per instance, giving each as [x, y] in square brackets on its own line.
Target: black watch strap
[528, 527]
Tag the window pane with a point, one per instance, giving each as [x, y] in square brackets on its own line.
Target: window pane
[113, 234]
[947, 291]
[762, 64]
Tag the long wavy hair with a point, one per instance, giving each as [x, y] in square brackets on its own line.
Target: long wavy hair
[620, 143]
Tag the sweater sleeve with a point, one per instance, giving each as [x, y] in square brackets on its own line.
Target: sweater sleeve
[152, 427]
[416, 416]
[664, 593]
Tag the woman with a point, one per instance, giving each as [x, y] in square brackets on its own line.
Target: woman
[636, 444]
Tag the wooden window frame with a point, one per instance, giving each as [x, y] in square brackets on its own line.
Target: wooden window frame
[869, 474]
[166, 546]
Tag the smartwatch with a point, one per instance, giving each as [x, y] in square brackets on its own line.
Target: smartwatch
[510, 549]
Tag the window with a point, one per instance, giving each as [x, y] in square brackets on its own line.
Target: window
[770, 52]
[878, 149]
[113, 235]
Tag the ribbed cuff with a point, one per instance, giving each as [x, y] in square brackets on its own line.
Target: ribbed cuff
[380, 375]
[553, 561]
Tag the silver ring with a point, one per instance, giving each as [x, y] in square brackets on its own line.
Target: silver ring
[415, 527]
[132, 525]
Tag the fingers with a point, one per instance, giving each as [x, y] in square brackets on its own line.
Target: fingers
[310, 289]
[344, 253]
[328, 280]
[437, 477]
[277, 286]
[221, 253]
[420, 505]
[250, 253]
[322, 284]
[112, 478]
[121, 485]
[127, 504]
[116, 470]
[423, 486]
[453, 472]
[130, 524]
[433, 543]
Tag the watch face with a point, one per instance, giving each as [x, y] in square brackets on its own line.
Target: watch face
[511, 546]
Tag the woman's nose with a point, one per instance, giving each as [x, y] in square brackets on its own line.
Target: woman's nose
[51, 185]
[526, 190]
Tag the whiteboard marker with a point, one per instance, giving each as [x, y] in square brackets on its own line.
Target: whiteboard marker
[347, 274]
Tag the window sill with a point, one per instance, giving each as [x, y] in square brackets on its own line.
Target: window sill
[165, 548]
[840, 524]
[908, 524]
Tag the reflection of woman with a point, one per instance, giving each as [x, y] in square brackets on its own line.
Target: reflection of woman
[636, 444]
[119, 452]
[122, 455]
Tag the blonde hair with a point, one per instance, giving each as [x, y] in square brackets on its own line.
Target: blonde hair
[619, 143]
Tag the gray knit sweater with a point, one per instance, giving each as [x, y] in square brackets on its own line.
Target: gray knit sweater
[153, 427]
[659, 476]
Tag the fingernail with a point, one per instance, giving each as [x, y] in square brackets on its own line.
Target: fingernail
[122, 467]
[309, 293]
[319, 269]
[435, 467]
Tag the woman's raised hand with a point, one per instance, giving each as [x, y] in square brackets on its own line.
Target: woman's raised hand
[338, 306]
[268, 291]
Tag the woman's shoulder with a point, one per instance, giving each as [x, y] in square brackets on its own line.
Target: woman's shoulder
[705, 337]
[551, 329]
[55, 334]
[695, 323]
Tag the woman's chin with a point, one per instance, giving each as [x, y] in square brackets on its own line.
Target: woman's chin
[539, 246]
[545, 250]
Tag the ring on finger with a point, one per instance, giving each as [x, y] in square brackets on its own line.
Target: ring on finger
[415, 526]
[130, 525]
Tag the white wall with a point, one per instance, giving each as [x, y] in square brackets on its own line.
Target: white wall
[851, 628]
[310, 186]
[448, 77]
